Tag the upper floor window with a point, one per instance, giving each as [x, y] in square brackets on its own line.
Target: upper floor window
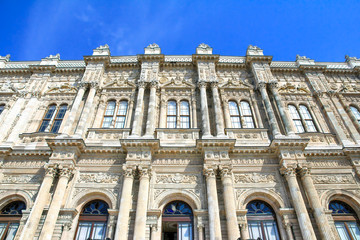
[356, 113]
[2, 107]
[303, 121]
[10, 217]
[345, 219]
[261, 221]
[93, 221]
[53, 118]
[241, 117]
[178, 117]
[115, 114]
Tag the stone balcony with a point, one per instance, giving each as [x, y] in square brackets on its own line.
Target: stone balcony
[180, 137]
[37, 137]
[320, 139]
[249, 136]
[107, 136]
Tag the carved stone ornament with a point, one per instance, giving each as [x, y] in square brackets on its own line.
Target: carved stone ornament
[99, 178]
[176, 178]
[333, 179]
[144, 172]
[128, 171]
[209, 172]
[21, 179]
[254, 178]
[64, 88]
[66, 171]
[291, 88]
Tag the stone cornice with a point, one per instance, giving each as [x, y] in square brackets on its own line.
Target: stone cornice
[105, 59]
[205, 57]
[150, 57]
[62, 142]
[312, 67]
[42, 68]
[323, 152]
[258, 58]
[290, 142]
[140, 143]
[351, 150]
[201, 144]
[252, 150]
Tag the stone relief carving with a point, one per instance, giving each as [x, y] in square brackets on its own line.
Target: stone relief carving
[329, 163]
[330, 179]
[99, 178]
[176, 178]
[64, 88]
[254, 178]
[21, 178]
[292, 88]
[26, 164]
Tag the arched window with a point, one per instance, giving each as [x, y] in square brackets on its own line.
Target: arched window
[346, 222]
[2, 107]
[303, 121]
[261, 221]
[53, 118]
[241, 117]
[92, 221]
[177, 221]
[171, 114]
[356, 113]
[115, 115]
[10, 217]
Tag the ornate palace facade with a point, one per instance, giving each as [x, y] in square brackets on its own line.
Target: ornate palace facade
[179, 147]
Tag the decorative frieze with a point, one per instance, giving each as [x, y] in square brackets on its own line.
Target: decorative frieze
[7, 178]
[332, 179]
[176, 178]
[99, 178]
[254, 178]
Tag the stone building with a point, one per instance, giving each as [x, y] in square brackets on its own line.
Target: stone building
[194, 147]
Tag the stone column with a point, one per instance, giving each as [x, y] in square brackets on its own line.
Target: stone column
[288, 127]
[288, 231]
[74, 110]
[40, 202]
[100, 112]
[129, 113]
[302, 215]
[218, 111]
[54, 209]
[85, 113]
[227, 114]
[313, 197]
[136, 127]
[142, 204]
[213, 205]
[204, 110]
[244, 231]
[229, 202]
[163, 105]
[122, 226]
[200, 228]
[269, 110]
[194, 117]
[151, 117]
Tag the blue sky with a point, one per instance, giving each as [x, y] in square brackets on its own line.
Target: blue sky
[321, 30]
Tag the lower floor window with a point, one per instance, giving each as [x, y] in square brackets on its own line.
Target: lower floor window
[91, 230]
[263, 230]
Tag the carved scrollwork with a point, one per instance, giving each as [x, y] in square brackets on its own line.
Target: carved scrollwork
[144, 172]
[209, 172]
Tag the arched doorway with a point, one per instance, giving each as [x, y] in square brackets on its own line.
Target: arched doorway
[177, 221]
[261, 221]
[93, 221]
[346, 221]
[10, 217]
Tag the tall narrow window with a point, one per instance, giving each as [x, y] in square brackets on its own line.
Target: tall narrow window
[115, 114]
[121, 114]
[53, 118]
[296, 119]
[346, 221]
[184, 114]
[2, 107]
[10, 217]
[109, 114]
[356, 113]
[171, 114]
[247, 115]
[234, 114]
[303, 121]
[261, 221]
[307, 118]
[92, 221]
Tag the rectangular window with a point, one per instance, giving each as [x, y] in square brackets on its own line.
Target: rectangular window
[84, 230]
[107, 122]
[235, 122]
[171, 122]
[120, 122]
[184, 122]
[185, 231]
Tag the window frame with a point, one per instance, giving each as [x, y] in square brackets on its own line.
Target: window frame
[357, 119]
[303, 119]
[178, 114]
[11, 219]
[53, 118]
[241, 116]
[2, 108]
[115, 114]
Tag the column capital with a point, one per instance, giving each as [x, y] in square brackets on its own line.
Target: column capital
[66, 171]
[273, 85]
[129, 171]
[51, 170]
[214, 84]
[154, 84]
[141, 84]
[209, 172]
[82, 85]
[225, 172]
[201, 84]
[144, 172]
[94, 84]
[288, 172]
[305, 171]
[261, 85]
